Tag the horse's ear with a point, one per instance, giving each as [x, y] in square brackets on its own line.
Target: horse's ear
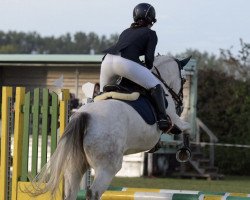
[184, 61]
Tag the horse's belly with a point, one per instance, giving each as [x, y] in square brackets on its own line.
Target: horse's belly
[141, 136]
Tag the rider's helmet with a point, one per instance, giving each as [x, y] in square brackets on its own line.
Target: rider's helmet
[144, 11]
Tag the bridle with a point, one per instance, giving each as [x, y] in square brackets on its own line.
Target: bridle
[178, 98]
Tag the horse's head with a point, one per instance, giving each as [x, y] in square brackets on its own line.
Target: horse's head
[170, 72]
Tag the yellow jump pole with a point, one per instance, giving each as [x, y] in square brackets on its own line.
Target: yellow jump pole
[64, 110]
[6, 94]
[18, 142]
[63, 119]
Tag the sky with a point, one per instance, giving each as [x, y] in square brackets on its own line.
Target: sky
[205, 25]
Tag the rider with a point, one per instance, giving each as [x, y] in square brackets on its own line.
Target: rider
[122, 59]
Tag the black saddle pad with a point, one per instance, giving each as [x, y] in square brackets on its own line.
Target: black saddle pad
[143, 106]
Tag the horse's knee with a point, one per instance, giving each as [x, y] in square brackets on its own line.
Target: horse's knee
[181, 124]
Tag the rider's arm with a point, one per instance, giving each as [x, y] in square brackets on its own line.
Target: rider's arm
[150, 49]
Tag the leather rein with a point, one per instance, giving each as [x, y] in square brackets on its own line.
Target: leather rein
[178, 98]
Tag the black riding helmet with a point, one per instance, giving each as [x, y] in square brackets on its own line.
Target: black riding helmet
[144, 11]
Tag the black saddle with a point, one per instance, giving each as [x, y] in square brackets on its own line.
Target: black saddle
[124, 85]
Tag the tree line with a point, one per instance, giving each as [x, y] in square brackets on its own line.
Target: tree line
[13, 42]
[223, 86]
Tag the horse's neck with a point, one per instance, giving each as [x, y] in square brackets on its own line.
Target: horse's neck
[169, 71]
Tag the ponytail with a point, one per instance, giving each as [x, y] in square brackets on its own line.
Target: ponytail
[140, 23]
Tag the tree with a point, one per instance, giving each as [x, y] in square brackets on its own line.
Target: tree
[237, 65]
[224, 106]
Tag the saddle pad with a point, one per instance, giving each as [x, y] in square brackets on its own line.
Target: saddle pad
[143, 106]
[118, 95]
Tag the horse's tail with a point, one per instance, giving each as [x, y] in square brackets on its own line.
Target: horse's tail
[68, 154]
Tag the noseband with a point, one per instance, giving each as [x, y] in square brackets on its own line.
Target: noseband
[178, 98]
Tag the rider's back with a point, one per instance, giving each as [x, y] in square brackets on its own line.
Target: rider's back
[135, 42]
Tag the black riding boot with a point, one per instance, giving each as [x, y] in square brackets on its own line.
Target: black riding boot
[158, 99]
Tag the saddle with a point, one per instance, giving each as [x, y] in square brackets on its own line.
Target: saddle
[132, 94]
[136, 96]
[124, 85]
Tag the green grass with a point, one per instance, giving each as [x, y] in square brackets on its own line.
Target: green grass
[228, 184]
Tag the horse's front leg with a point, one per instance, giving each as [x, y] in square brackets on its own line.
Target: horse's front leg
[181, 124]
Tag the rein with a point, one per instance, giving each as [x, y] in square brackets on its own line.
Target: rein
[178, 98]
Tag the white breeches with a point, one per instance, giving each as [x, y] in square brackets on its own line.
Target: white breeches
[114, 66]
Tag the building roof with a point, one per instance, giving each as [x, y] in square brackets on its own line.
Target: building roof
[58, 58]
[50, 60]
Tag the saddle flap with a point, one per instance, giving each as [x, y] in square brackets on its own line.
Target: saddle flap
[111, 88]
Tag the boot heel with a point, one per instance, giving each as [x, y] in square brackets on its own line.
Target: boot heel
[165, 125]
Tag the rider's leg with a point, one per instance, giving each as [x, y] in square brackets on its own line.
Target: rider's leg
[107, 75]
[116, 65]
[158, 98]
[113, 66]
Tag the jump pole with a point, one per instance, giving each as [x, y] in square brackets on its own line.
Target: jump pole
[7, 119]
[155, 194]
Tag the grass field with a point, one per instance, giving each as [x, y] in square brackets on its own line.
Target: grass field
[228, 184]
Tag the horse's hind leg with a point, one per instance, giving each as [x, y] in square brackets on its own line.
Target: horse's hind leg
[105, 169]
[72, 184]
[102, 180]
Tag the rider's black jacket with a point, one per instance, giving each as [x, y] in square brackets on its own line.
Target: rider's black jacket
[136, 42]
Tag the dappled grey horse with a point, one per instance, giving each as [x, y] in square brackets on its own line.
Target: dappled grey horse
[101, 133]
